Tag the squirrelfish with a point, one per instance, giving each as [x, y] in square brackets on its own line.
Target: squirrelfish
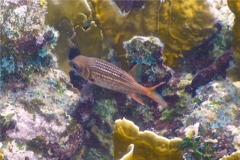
[107, 75]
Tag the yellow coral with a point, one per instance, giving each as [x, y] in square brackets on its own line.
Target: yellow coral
[147, 145]
[43, 3]
[129, 154]
[181, 25]
[234, 5]
[233, 156]
[1, 154]
[70, 10]
[67, 16]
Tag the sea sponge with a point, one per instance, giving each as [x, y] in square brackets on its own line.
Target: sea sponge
[147, 145]
[235, 8]
[181, 25]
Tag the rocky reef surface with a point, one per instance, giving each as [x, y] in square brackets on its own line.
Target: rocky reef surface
[36, 122]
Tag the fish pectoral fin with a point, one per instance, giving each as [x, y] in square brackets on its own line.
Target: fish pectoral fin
[136, 98]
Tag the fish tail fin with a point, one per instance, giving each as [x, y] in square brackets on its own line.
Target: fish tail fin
[150, 92]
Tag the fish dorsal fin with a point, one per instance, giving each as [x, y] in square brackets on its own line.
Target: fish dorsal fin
[136, 72]
[136, 98]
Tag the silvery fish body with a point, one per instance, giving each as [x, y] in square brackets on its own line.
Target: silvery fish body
[107, 75]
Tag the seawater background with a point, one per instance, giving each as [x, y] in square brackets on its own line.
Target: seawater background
[47, 112]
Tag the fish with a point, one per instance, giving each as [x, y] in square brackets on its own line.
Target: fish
[107, 75]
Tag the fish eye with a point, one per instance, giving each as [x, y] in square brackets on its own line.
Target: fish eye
[74, 66]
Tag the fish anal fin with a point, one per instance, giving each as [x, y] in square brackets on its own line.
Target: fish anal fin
[136, 98]
[136, 72]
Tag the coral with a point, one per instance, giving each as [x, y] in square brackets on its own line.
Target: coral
[233, 156]
[216, 108]
[146, 52]
[41, 112]
[146, 144]
[129, 154]
[96, 32]
[74, 19]
[171, 21]
[25, 49]
[1, 154]
[143, 50]
[235, 8]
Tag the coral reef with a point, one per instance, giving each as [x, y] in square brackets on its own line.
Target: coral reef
[146, 144]
[234, 6]
[26, 42]
[168, 18]
[96, 32]
[36, 121]
[38, 114]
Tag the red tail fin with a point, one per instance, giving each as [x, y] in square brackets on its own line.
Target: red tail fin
[150, 92]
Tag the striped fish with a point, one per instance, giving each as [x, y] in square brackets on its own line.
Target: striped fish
[107, 75]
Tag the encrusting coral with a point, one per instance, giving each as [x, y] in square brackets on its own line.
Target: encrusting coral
[146, 144]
